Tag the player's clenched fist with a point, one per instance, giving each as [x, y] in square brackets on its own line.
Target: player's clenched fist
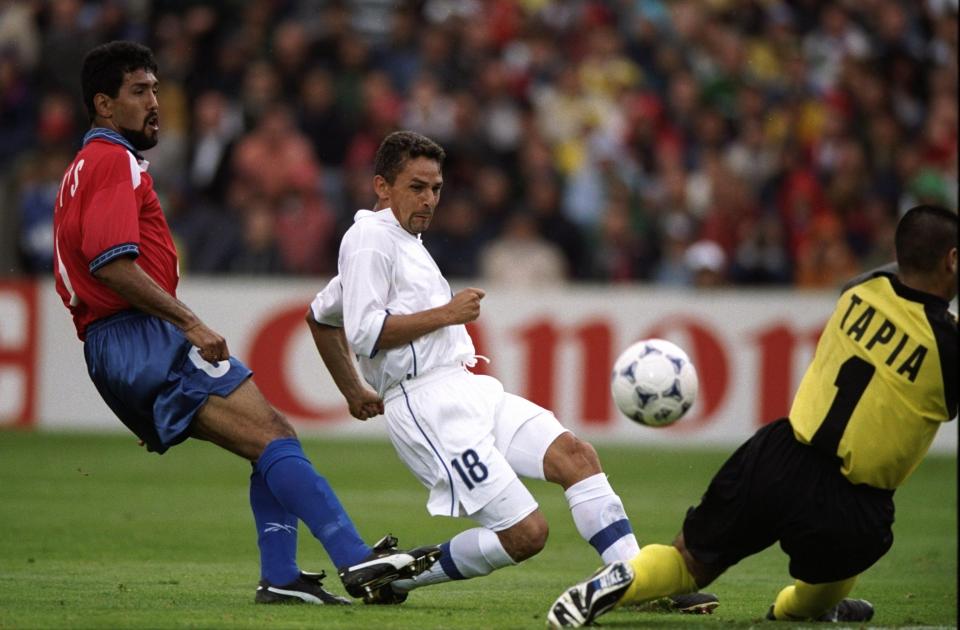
[212, 346]
[464, 306]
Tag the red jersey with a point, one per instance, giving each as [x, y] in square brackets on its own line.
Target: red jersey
[106, 208]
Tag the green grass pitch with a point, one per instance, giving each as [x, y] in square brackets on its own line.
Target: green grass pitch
[96, 533]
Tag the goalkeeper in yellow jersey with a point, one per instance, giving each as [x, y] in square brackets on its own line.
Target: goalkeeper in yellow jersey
[821, 481]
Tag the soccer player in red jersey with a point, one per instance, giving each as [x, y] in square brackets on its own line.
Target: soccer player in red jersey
[164, 372]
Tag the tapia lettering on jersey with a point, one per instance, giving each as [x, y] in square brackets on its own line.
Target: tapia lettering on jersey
[863, 324]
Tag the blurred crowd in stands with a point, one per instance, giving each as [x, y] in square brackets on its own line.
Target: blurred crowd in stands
[677, 142]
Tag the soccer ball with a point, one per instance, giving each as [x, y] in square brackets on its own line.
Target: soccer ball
[654, 382]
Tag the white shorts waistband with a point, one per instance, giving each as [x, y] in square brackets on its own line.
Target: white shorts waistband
[411, 383]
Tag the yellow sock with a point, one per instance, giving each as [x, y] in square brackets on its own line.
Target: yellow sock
[808, 601]
[659, 571]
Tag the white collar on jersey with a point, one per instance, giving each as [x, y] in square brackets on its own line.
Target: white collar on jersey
[388, 217]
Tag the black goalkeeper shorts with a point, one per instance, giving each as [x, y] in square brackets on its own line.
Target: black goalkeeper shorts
[774, 488]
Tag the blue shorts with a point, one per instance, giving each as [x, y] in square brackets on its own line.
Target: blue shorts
[152, 377]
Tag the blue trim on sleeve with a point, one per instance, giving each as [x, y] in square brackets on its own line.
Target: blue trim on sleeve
[610, 534]
[380, 334]
[447, 563]
[124, 249]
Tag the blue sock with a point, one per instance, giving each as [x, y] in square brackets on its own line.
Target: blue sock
[276, 534]
[304, 493]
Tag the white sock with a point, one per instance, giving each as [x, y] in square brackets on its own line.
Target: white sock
[469, 554]
[600, 518]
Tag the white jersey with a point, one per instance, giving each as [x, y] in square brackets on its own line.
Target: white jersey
[327, 306]
[385, 270]
[461, 435]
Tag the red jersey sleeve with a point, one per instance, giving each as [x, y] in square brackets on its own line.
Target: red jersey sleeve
[109, 222]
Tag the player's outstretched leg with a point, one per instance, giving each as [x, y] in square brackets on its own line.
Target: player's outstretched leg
[472, 553]
[281, 581]
[280, 577]
[582, 603]
[303, 492]
[599, 515]
[481, 550]
[597, 511]
[244, 423]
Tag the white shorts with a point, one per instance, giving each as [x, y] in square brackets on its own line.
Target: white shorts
[467, 440]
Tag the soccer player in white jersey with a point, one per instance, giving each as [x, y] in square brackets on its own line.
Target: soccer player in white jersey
[461, 434]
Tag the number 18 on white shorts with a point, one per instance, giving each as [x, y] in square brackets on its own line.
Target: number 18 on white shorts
[467, 441]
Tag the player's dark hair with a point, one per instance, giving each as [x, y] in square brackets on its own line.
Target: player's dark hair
[105, 66]
[925, 234]
[401, 146]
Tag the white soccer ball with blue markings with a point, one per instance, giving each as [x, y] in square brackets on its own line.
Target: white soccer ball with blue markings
[654, 383]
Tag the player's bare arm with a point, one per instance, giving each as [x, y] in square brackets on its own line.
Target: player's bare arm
[331, 342]
[130, 282]
[462, 308]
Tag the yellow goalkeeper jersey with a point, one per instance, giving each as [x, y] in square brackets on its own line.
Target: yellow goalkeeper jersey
[882, 380]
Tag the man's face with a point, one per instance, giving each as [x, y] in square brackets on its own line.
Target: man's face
[135, 112]
[414, 194]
